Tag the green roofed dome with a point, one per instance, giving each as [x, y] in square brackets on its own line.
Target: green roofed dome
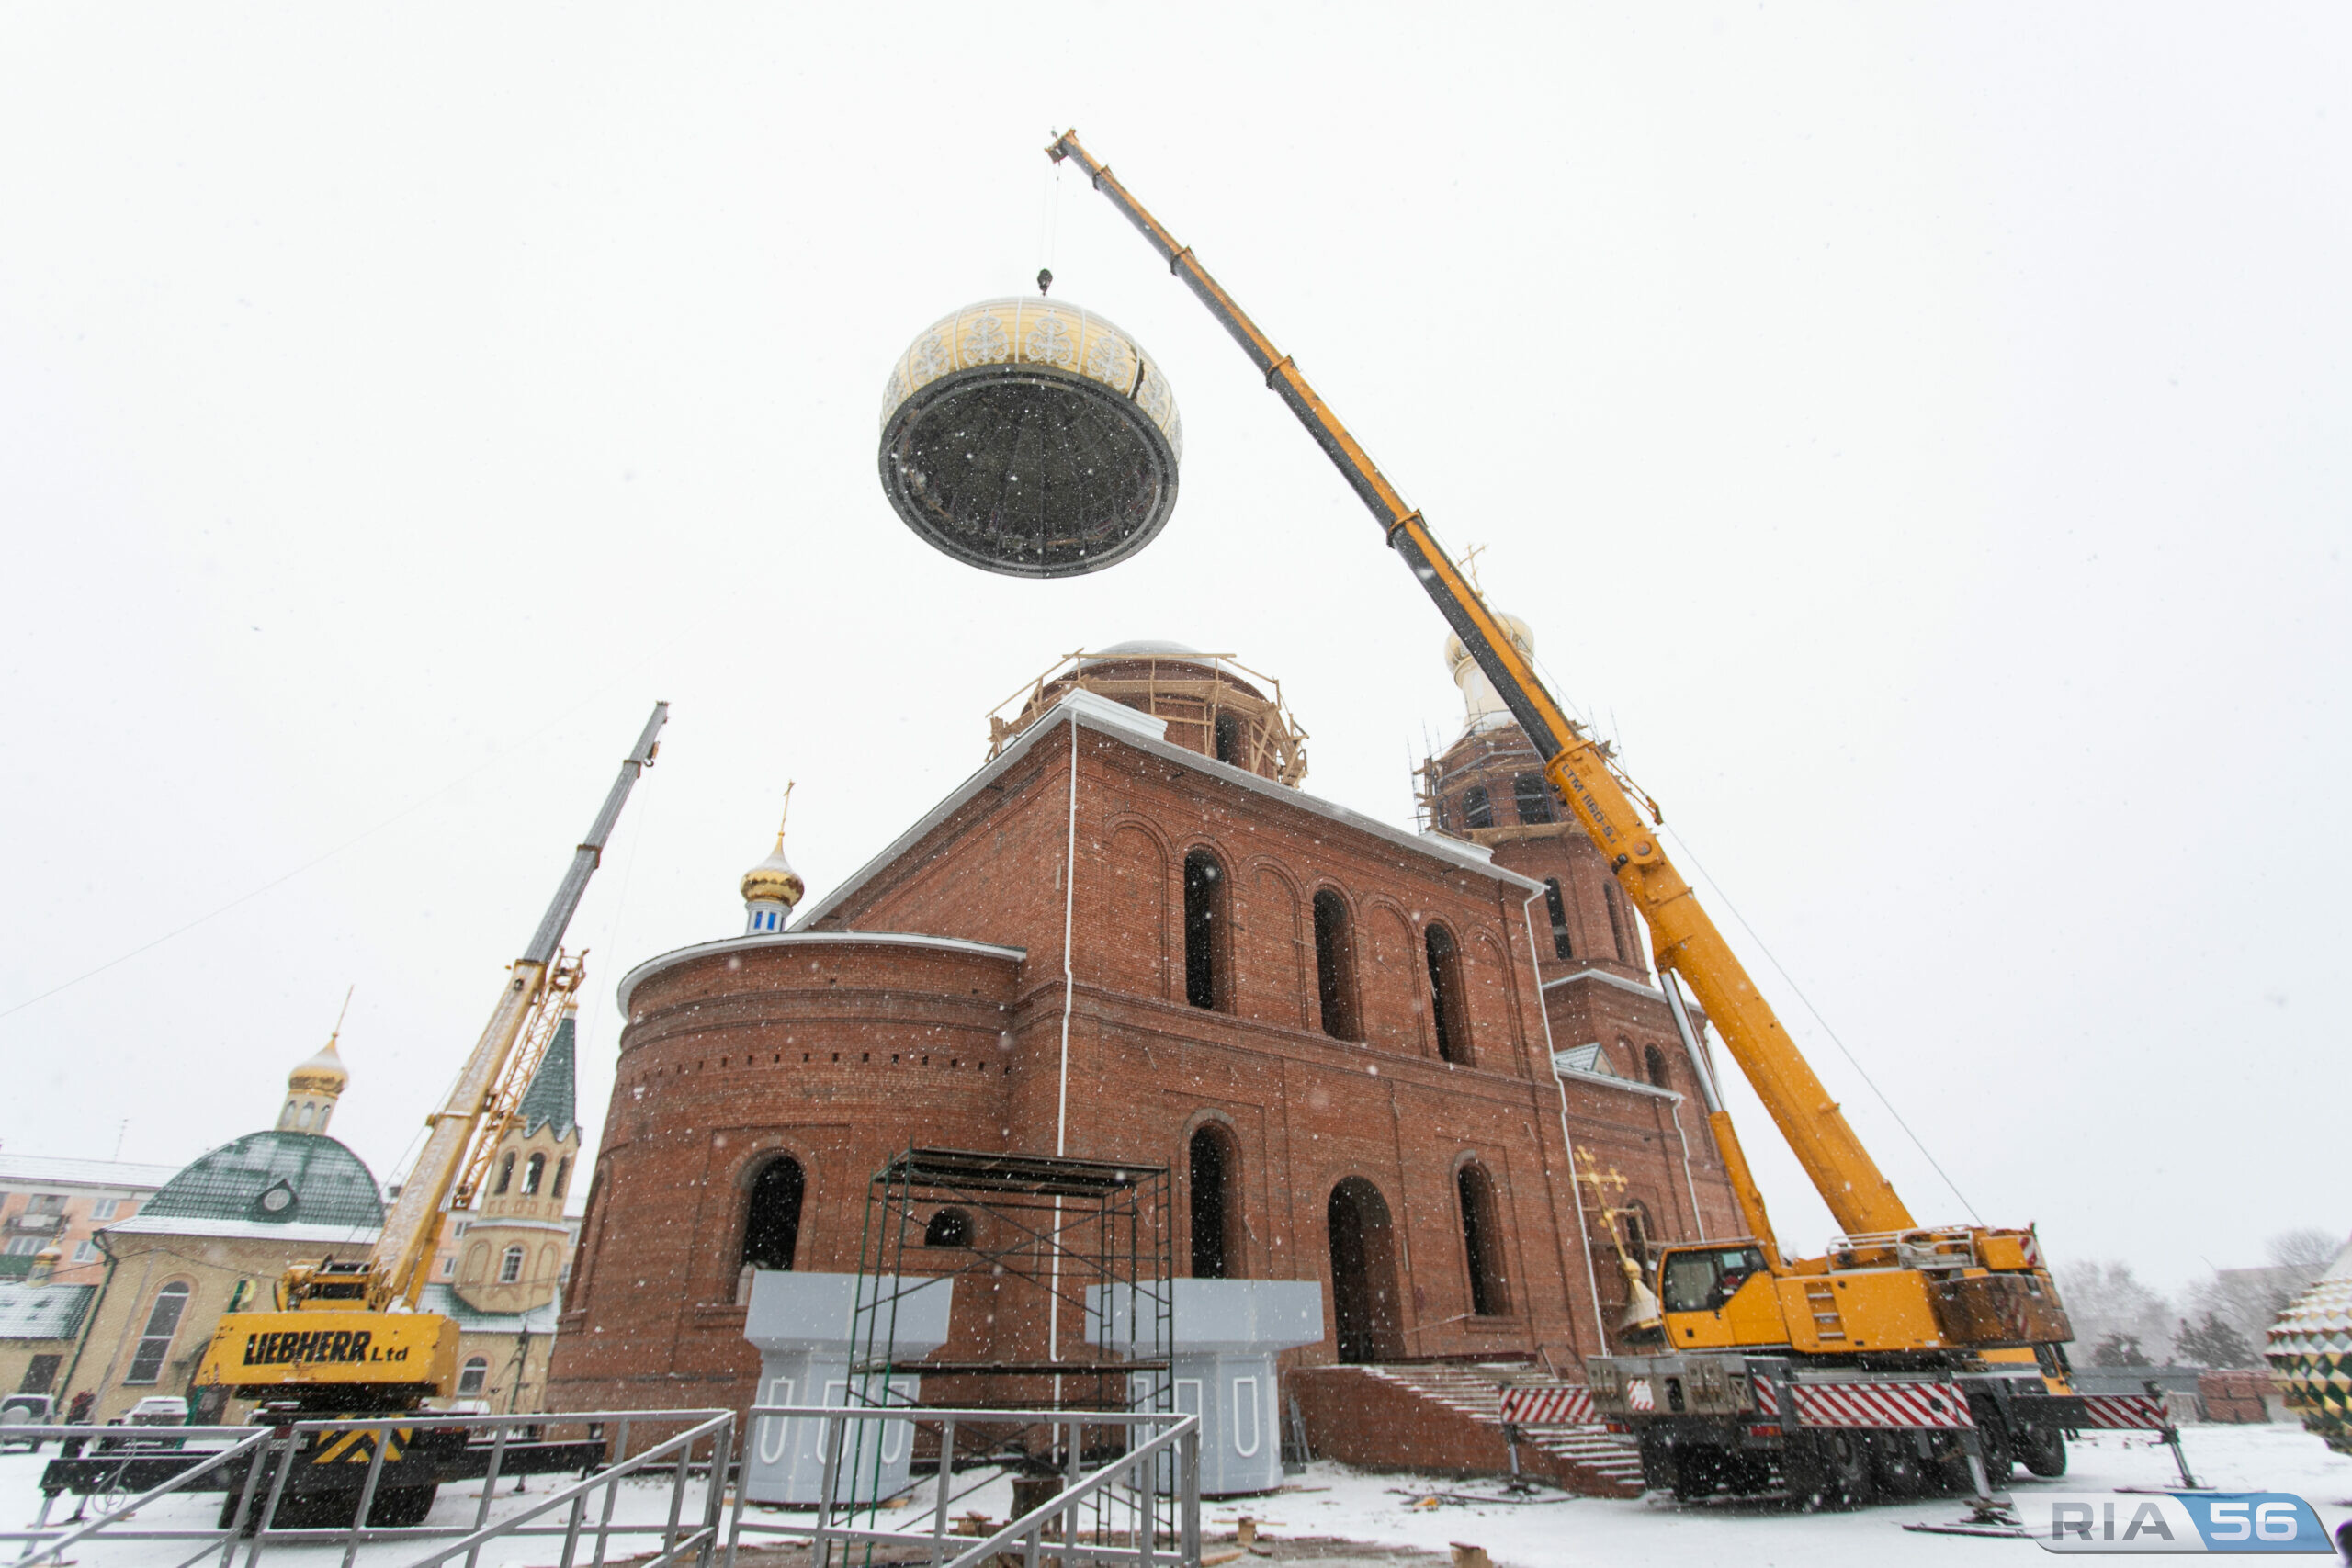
[275, 1178]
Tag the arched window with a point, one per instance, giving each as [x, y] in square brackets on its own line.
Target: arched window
[1335, 968]
[1557, 907]
[1216, 1205]
[156, 1339]
[506, 1176]
[949, 1227]
[1533, 796]
[475, 1377]
[562, 1178]
[1620, 921]
[534, 1173]
[510, 1265]
[772, 1220]
[1478, 809]
[1639, 1229]
[1205, 922]
[1228, 739]
[1366, 1319]
[1482, 1241]
[1654, 1063]
[303, 1120]
[1446, 1013]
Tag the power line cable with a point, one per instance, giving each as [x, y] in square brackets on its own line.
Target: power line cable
[406, 811]
[1724, 898]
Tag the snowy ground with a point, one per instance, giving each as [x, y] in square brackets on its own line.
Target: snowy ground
[1332, 1503]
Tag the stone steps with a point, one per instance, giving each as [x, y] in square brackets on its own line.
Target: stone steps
[1583, 1459]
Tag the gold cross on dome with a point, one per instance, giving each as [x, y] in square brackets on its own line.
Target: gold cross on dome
[1470, 567]
[1594, 1177]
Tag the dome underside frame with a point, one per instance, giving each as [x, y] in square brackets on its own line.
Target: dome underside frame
[1028, 470]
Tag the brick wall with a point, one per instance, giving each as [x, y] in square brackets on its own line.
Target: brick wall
[841, 1053]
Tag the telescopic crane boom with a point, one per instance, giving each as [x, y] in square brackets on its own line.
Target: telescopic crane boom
[346, 1335]
[1951, 1336]
[1687, 941]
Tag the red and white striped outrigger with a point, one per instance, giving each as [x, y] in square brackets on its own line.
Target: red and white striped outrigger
[1556, 1406]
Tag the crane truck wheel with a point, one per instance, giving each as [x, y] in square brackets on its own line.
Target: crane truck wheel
[1831, 1470]
[2043, 1449]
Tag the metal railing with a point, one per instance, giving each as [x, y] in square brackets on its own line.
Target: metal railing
[1141, 1506]
[1126, 1523]
[271, 1455]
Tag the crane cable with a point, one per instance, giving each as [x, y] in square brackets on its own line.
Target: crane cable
[1687, 853]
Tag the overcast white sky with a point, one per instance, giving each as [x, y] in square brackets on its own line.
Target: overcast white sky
[1920, 434]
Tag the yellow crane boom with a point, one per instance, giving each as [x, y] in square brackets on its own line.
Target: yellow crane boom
[1685, 938]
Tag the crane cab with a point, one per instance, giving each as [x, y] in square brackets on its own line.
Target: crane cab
[1718, 1295]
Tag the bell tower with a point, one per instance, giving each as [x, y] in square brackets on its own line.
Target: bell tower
[1488, 788]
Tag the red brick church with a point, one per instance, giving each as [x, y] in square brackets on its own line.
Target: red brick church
[1427, 1069]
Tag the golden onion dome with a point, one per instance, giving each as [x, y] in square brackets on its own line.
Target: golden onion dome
[774, 880]
[322, 1074]
[1030, 437]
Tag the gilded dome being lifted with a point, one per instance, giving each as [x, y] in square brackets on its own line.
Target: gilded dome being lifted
[1030, 437]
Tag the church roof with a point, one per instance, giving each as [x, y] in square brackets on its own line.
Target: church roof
[273, 1178]
[43, 1311]
[551, 1100]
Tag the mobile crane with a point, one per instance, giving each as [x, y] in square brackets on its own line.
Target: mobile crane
[1907, 1357]
[343, 1339]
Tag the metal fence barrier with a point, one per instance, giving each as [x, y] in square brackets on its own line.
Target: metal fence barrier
[1140, 1507]
[271, 1454]
[1125, 1520]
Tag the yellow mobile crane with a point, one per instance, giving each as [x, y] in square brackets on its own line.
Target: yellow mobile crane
[344, 1337]
[1902, 1356]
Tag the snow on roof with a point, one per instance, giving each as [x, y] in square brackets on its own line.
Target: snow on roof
[43, 1311]
[245, 1230]
[39, 1170]
[444, 1299]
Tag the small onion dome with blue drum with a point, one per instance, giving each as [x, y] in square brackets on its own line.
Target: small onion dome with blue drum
[1030, 437]
[770, 890]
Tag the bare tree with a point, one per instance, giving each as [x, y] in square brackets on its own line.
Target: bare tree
[2109, 1305]
[2308, 1248]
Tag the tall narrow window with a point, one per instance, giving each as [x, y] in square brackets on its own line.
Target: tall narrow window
[1335, 968]
[1557, 907]
[155, 1340]
[1533, 796]
[534, 1173]
[510, 1265]
[1217, 1194]
[1618, 921]
[1204, 920]
[1654, 1062]
[475, 1377]
[1445, 995]
[1477, 808]
[506, 1176]
[1228, 739]
[772, 1222]
[1482, 1242]
[562, 1178]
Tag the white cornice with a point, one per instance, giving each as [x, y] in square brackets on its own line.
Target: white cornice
[1131, 728]
[1606, 978]
[810, 938]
